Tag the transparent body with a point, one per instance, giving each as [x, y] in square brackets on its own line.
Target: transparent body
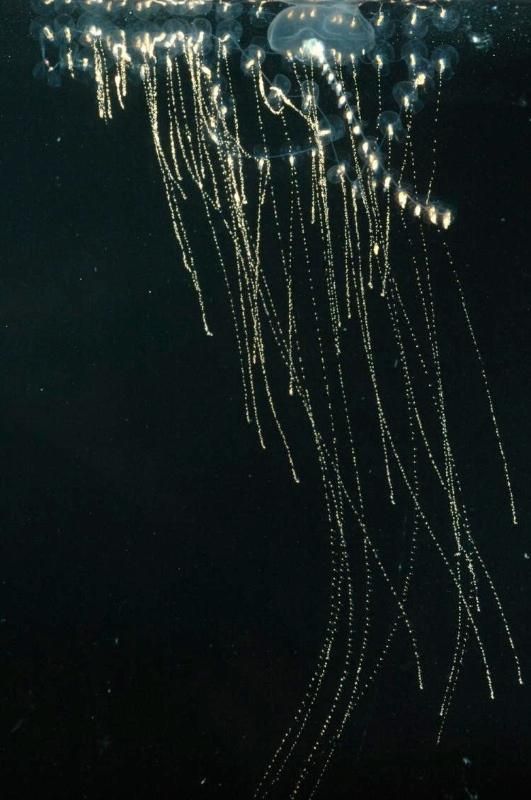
[314, 174]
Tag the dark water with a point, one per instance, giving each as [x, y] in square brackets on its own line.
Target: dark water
[155, 619]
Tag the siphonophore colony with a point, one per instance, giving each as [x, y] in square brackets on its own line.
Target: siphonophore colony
[304, 137]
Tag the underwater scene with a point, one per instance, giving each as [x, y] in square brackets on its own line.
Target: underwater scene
[266, 337]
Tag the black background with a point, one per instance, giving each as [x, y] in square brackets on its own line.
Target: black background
[161, 578]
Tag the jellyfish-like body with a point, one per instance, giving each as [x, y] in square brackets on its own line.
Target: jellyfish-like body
[331, 29]
[316, 184]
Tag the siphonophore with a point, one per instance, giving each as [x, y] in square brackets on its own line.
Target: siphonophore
[305, 137]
